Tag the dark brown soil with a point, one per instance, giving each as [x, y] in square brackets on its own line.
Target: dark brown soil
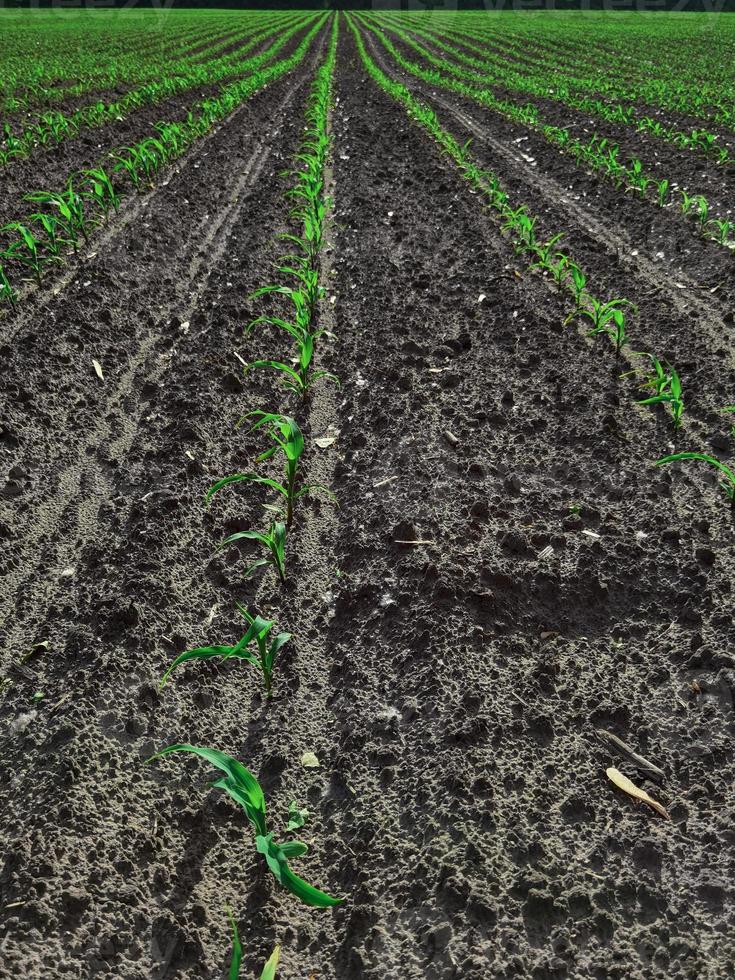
[450, 690]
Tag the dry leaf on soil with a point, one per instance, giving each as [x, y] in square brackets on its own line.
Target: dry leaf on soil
[622, 782]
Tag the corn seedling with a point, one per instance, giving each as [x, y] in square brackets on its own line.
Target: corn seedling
[688, 202]
[128, 162]
[544, 252]
[666, 385]
[524, 226]
[53, 228]
[100, 190]
[25, 249]
[258, 635]
[637, 181]
[288, 440]
[7, 293]
[70, 207]
[240, 784]
[269, 969]
[236, 961]
[274, 540]
[728, 484]
[558, 270]
[576, 284]
[662, 192]
[722, 230]
[299, 378]
[608, 318]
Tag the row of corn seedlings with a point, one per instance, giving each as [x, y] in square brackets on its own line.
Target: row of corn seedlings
[695, 87]
[499, 71]
[598, 154]
[260, 644]
[607, 318]
[72, 58]
[65, 218]
[54, 127]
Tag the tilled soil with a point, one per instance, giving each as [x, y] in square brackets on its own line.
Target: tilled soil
[449, 688]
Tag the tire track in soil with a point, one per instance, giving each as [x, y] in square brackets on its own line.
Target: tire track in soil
[126, 598]
[688, 325]
[507, 854]
[83, 485]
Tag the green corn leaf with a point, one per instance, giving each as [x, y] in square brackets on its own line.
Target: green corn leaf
[280, 366]
[236, 949]
[704, 458]
[247, 477]
[657, 399]
[269, 970]
[293, 849]
[308, 894]
[199, 653]
[260, 563]
[225, 482]
[241, 784]
[278, 864]
[246, 535]
[280, 641]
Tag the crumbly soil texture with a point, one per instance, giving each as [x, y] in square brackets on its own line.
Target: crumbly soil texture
[555, 583]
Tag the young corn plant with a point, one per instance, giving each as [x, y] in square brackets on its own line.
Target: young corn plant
[576, 284]
[257, 635]
[558, 268]
[100, 191]
[301, 377]
[236, 961]
[53, 228]
[7, 293]
[288, 440]
[722, 231]
[728, 484]
[274, 540]
[637, 181]
[26, 249]
[608, 318]
[240, 784]
[662, 192]
[545, 251]
[667, 390]
[523, 226]
[69, 205]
